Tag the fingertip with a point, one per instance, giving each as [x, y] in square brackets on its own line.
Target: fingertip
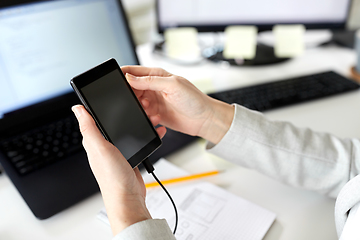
[86, 122]
[161, 131]
[77, 110]
[155, 120]
[145, 102]
[130, 77]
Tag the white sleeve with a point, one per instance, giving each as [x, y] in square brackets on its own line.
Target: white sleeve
[347, 212]
[351, 230]
[296, 156]
[154, 229]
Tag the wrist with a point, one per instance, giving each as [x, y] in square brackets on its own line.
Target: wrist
[218, 122]
[128, 213]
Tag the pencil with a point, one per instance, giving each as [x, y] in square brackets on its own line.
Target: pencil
[182, 179]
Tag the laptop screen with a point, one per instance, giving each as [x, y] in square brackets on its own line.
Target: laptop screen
[45, 44]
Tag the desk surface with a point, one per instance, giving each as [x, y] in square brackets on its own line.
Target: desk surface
[301, 214]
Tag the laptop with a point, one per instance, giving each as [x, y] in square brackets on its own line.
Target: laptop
[43, 44]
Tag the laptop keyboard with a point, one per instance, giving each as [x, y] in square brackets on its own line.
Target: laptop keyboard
[41, 147]
[276, 94]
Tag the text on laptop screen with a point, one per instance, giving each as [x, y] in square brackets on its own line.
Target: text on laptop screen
[44, 45]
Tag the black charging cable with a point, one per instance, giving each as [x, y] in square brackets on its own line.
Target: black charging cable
[150, 169]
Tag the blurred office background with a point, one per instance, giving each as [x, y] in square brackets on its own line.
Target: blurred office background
[142, 19]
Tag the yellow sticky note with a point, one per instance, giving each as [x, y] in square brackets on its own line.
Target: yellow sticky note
[289, 40]
[182, 43]
[240, 42]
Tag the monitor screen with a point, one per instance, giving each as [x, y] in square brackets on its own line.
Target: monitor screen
[215, 15]
[43, 44]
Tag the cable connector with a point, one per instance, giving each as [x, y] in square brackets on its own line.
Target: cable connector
[148, 165]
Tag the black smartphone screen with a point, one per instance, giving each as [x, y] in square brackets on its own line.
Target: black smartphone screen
[117, 112]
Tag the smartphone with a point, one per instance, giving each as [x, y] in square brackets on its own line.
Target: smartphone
[108, 97]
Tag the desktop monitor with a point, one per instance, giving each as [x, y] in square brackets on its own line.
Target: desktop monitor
[215, 15]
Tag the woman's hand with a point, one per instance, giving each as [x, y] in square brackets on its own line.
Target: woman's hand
[179, 104]
[168, 100]
[122, 188]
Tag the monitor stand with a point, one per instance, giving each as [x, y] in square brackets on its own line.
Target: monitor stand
[264, 56]
[345, 38]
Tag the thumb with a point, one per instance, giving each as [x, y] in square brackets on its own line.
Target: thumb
[88, 128]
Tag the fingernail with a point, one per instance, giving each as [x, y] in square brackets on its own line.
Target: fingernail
[77, 109]
[130, 77]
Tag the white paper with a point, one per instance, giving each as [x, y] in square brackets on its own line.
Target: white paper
[205, 210]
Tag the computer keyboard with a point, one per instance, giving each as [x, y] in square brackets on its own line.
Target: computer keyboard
[277, 94]
[43, 146]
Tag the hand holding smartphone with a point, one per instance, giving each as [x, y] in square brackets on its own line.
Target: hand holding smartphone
[107, 96]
